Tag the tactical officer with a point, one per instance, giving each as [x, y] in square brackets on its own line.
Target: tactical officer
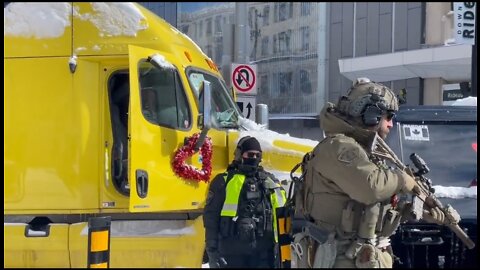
[240, 212]
[351, 190]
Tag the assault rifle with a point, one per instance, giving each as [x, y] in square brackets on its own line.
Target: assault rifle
[424, 193]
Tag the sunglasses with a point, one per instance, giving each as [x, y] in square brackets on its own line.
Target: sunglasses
[390, 116]
[253, 154]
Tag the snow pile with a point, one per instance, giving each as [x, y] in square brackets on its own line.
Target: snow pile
[267, 137]
[455, 192]
[38, 20]
[468, 101]
[160, 60]
[115, 19]
[49, 20]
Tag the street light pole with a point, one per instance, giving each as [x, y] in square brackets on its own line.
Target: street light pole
[241, 40]
[255, 35]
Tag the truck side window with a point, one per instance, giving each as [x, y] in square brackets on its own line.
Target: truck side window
[162, 97]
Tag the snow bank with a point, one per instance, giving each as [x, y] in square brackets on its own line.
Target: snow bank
[468, 101]
[455, 192]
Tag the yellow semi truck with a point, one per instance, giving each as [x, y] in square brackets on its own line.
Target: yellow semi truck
[98, 100]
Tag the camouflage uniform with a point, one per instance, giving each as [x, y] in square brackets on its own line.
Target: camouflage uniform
[346, 181]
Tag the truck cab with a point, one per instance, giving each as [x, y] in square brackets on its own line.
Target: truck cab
[99, 98]
[445, 137]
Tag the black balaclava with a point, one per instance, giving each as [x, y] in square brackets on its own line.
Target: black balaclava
[249, 165]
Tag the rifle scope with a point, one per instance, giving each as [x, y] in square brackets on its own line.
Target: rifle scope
[419, 164]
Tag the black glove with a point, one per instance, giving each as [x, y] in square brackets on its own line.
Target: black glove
[215, 260]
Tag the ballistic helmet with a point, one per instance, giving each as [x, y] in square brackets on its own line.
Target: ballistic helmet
[367, 101]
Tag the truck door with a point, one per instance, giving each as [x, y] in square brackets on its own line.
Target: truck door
[160, 119]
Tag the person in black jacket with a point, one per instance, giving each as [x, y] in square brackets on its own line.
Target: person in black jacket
[240, 212]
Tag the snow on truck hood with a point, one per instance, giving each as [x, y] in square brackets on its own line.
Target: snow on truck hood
[267, 137]
[49, 20]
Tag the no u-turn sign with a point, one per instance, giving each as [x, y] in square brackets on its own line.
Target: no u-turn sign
[244, 78]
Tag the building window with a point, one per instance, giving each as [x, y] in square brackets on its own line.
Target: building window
[305, 84]
[251, 15]
[195, 26]
[284, 41]
[209, 50]
[282, 11]
[264, 85]
[275, 44]
[275, 89]
[265, 45]
[218, 50]
[218, 24]
[266, 15]
[285, 83]
[185, 29]
[275, 12]
[305, 8]
[305, 32]
[209, 27]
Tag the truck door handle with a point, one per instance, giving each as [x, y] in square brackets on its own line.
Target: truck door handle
[142, 183]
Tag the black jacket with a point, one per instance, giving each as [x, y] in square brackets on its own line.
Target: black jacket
[214, 223]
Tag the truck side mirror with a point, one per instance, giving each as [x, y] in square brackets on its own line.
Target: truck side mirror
[205, 120]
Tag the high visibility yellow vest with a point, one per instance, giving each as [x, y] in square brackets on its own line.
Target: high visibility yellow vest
[233, 188]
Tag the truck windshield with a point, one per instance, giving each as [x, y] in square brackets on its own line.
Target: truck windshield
[224, 110]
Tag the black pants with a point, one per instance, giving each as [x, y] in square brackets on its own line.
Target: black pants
[263, 259]
[240, 254]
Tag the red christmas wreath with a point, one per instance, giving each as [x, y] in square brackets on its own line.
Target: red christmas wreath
[188, 171]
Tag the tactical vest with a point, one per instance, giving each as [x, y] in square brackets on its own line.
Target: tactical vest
[356, 219]
[277, 198]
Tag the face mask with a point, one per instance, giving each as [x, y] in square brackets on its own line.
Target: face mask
[251, 161]
[249, 165]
